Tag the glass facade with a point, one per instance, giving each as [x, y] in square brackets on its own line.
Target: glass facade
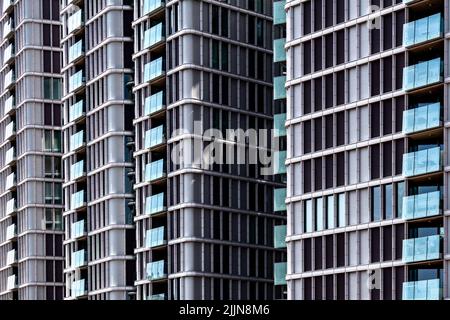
[421, 249]
[77, 141]
[279, 199]
[155, 204]
[422, 74]
[421, 205]
[156, 270]
[154, 137]
[422, 118]
[76, 81]
[77, 170]
[77, 200]
[76, 111]
[422, 30]
[153, 69]
[76, 51]
[151, 5]
[279, 162]
[279, 236]
[422, 162]
[279, 14]
[154, 170]
[154, 237]
[154, 103]
[279, 121]
[280, 270]
[78, 229]
[78, 258]
[279, 89]
[153, 35]
[75, 21]
[422, 290]
[279, 53]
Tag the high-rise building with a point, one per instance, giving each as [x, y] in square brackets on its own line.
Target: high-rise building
[202, 232]
[31, 236]
[366, 155]
[98, 111]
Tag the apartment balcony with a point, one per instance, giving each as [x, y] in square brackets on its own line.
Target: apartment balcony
[10, 80]
[279, 88]
[11, 207]
[78, 200]
[279, 14]
[422, 162]
[75, 22]
[11, 283]
[11, 257]
[279, 162]
[11, 232]
[422, 118]
[8, 29]
[79, 259]
[8, 6]
[76, 111]
[77, 82]
[423, 30]
[156, 270]
[10, 182]
[279, 272]
[78, 289]
[154, 238]
[10, 105]
[422, 205]
[154, 36]
[8, 54]
[279, 199]
[155, 171]
[77, 141]
[279, 125]
[155, 204]
[78, 230]
[10, 131]
[154, 137]
[77, 171]
[154, 70]
[422, 290]
[279, 53]
[10, 157]
[279, 236]
[151, 6]
[422, 249]
[423, 74]
[160, 296]
[76, 52]
[154, 103]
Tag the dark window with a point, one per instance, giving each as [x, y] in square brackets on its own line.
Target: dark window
[399, 150]
[318, 174]
[329, 283]
[387, 74]
[399, 108]
[329, 131]
[399, 236]
[329, 171]
[340, 249]
[399, 21]
[340, 11]
[340, 169]
[399, 279]
[387, 284]
[340, 286]
[307, 289]
[307, 255]
[317, 134]
[399, 64]
[340, 128]
[307, 57]
[375, 245]
[387, 243]
[307, 176]
[329, 261]
[387, 159]
[374, 120]
[318, 253]
[318, 94]
[317, 54]
[329, 49]
[340, 47]
[375, 77]
[387, 117]
[329, 91]
[375, 40]
[387, 31]
[307, 18]
[307, 136]
[328, 13]
[340, 88]
[307, 97]
[318, 15]
[375, 161]
[318, 288]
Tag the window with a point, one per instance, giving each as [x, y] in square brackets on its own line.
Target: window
[308, 216]
[319, 214]
[388, 201]
[330, 212]
[400, 192]
[52, 88]
[52, 141]
[341, 210]
[53, 219]
[376, 203]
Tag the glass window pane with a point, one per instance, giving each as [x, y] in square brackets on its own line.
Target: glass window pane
[434, 115]
[308, 216]
[376, 203]
[433, 203]
[421, 32]
[420, 209]
[341, 210]
[408, 250]
[319, 214]
[434, 159]
[388, 201]
[434, 71]
[435, 26]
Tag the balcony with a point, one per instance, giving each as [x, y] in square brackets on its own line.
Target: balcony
[153, 70]
[154, 137]
[156, 270]
[421, 205]
[154, 103]
[423, 74]
[153, 36]
[279, 199]
[279, 125]
[10, 131]
[279, 162]
[155, 204]
[75, 22]
[8, 29]
[422, 290]
[78, 288]
[11, 207]
[422, 249]
[10, 79]
[10, 156]
[279, 237]
[9, 105]
[280, 271]
[11, 232]
[77, 141]
[154, 238]
[279, 14]
[76, 111]
[279, 88]
[422, 162]
[12, 283]
[279, 53]
[422, 118]
[10, 182]
[154, 171]
[160, 296]
[7, 6]
[76, 81]
[150, 6]
[77, 200]
[423, 30]
[76, 51]
[78, 229]
[11, 257]
[79, 259]
[77, 170]
[8, 54]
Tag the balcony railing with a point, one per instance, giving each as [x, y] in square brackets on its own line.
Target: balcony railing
[155, 204]
[422, 290]
[156, 270]
[279, 199]
[78, 200]
[421, 205]
[154, 103]
[78, 229]
[160, 296]
[10, 79]
[279, 14]
[9, 105]
[10, 130]
[77, 170]
[153, 69]
[154, 170]
[77, 141]
[422, 162]
[423, 74]
[11, 257]
[11, 232]
[10, 181]
[7, 4]
[154, 137]
[279, 88]
[8, 54]
[279, 236]
[75, 21]
[150, 6]
[10, 156]
[422, 118]
[76, 51]
[11, 207]
[8, 28]
[79, 258]
[154, 237]
[422, 249]
[422, 30]
[153, 35]
[11, 282]
[279, 53]
[279, 125]
[280, 271]
[78, 288]
[76, 81]
[76, 111]
[279, 162]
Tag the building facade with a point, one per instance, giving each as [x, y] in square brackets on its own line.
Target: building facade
[367, 149]
[31, 236]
